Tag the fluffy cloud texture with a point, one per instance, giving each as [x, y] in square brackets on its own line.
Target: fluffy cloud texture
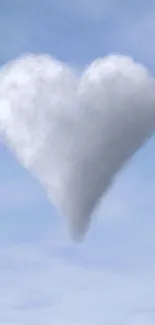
[76, 132]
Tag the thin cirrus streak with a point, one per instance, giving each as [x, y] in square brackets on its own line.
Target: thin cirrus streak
[76, 132]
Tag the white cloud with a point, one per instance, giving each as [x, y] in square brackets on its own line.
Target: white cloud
[76, 134]
[37, 287]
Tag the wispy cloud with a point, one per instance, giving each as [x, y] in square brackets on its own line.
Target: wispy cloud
[36, 287]
[108, 279]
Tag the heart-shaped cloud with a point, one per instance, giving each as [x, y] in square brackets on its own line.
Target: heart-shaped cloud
[75, 132]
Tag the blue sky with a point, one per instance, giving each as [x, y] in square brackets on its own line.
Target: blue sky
[44, 277]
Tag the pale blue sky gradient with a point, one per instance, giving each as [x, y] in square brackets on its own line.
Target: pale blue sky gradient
[109, 278]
